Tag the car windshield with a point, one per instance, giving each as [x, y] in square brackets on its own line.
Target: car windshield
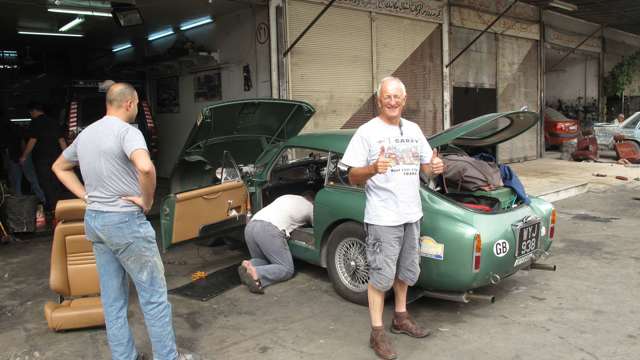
[632, 121]
[554, 114]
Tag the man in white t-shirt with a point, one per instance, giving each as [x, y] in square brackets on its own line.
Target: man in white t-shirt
[386, 154]
[266, 237]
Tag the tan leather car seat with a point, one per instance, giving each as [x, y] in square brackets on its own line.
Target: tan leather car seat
[74, 273]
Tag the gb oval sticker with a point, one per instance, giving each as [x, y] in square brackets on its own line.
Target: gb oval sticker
[501, 248]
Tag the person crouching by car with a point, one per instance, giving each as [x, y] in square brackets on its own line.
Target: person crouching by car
[266, 237]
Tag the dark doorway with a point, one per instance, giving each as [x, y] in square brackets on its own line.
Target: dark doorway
[469, 103]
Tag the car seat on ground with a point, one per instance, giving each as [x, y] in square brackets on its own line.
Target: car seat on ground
[587, 147]
[74, 274]
[626, 149]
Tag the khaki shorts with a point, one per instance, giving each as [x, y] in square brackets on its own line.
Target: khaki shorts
[393, 251]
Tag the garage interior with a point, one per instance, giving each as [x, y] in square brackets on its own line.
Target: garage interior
[188, 54]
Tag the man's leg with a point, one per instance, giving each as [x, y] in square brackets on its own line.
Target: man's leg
[30, 174]
[383, 248]
[143, 263]
[251, 233]
[273, 244]
[114, 293]
[408, 272]
[15, 177]
[47, 181]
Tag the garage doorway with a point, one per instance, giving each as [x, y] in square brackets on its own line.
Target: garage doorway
[471, 102]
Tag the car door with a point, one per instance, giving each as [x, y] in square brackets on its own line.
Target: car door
[206, 210]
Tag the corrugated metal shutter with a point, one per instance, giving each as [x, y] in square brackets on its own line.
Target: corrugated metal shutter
[517, 85]
[411, 50]
[477, 66]
[331, 66]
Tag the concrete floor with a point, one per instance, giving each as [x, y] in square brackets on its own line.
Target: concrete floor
[586, 310]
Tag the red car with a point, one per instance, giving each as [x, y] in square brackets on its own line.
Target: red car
[558, 129]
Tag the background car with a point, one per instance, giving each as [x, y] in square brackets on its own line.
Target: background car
[558, 129]
[630, 129]
[462, 248]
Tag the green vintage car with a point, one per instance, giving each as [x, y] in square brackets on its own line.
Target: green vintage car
[243, 154]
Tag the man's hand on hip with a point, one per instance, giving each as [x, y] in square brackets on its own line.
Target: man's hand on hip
[140, 202]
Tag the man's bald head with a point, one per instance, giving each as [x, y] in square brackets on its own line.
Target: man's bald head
[119, 94]
[122, 102]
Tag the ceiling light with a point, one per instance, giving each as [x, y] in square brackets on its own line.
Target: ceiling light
[126, 14]
[72, 24]
[80, 12]
[194, 23]
[48, 33]
[160, 34]
[563, 5]
[121, 47]
[20, 120]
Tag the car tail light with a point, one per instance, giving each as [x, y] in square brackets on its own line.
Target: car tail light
[552, 226]
[477, 252]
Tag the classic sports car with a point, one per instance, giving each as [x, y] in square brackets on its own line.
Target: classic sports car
[462, 247]
[630, 129]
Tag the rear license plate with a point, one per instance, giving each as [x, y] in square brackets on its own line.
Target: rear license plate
[528, 238]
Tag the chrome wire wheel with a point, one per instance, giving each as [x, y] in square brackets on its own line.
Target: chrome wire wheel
[351, 264]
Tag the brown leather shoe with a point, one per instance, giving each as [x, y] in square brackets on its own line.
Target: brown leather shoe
[381, 344]
[404, 324]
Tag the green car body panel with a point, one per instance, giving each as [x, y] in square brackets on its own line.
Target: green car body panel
[445, 221]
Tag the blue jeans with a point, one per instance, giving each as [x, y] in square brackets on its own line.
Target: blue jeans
[124, 244]
[16, 171]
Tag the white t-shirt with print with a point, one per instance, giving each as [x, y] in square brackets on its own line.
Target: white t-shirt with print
[393, 198]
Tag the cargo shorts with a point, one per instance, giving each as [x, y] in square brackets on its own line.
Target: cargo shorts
[393, 251]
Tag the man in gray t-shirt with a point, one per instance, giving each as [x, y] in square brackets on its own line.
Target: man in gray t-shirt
[119, 183]
[386, 154]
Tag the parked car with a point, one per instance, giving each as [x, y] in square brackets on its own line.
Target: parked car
[461, 248]
[630, 129]
[558, 129]
[86, 104]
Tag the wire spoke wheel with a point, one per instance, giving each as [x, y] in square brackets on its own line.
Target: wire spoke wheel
[351, 264]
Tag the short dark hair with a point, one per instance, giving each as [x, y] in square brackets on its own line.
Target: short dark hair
[34, 105]
[309, 195]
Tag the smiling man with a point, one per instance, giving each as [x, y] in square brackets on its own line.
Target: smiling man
[386, 154]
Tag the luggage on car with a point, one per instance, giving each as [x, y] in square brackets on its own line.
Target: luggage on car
[464, 173]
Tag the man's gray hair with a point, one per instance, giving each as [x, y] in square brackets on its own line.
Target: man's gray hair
[391, 78]
[119, 93]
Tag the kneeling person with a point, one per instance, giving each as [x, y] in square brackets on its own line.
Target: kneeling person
[266, 237]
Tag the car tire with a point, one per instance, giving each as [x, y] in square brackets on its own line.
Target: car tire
[347, 262]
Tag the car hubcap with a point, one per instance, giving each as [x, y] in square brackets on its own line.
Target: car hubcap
[351, 263]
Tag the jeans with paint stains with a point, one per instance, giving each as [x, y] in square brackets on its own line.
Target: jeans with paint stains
[124, 244]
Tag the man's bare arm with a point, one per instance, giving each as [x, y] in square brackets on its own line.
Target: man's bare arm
[146, 177]
[27, 150]
[63, 169]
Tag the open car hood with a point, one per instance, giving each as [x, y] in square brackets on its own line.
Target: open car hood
[487, 130]
[273, 119]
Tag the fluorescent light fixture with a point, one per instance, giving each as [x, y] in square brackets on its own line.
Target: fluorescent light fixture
[563, 5]
[73, 23]
[121, 47]
[160, 34]
[80, 12]
[49, 33]
[194, 23]
[21, 120]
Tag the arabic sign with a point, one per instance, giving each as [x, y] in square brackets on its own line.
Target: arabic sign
[572, 40]
[430, 10]
[519, 10]
[477, 20]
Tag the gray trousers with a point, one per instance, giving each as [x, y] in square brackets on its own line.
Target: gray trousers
[270, 254]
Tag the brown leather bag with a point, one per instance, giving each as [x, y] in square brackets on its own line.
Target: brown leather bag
[468, 174]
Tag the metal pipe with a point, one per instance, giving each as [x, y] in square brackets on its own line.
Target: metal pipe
[538, 266]
[308, 27]
[576, 48]
[457, 297]
[273, 44]
[482, 33]
[490, 298]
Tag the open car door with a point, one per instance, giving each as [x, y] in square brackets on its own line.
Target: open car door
[216, 208]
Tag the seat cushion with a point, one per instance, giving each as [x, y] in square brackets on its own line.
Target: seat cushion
[70, 210]
[627, 150]
[74, 314]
